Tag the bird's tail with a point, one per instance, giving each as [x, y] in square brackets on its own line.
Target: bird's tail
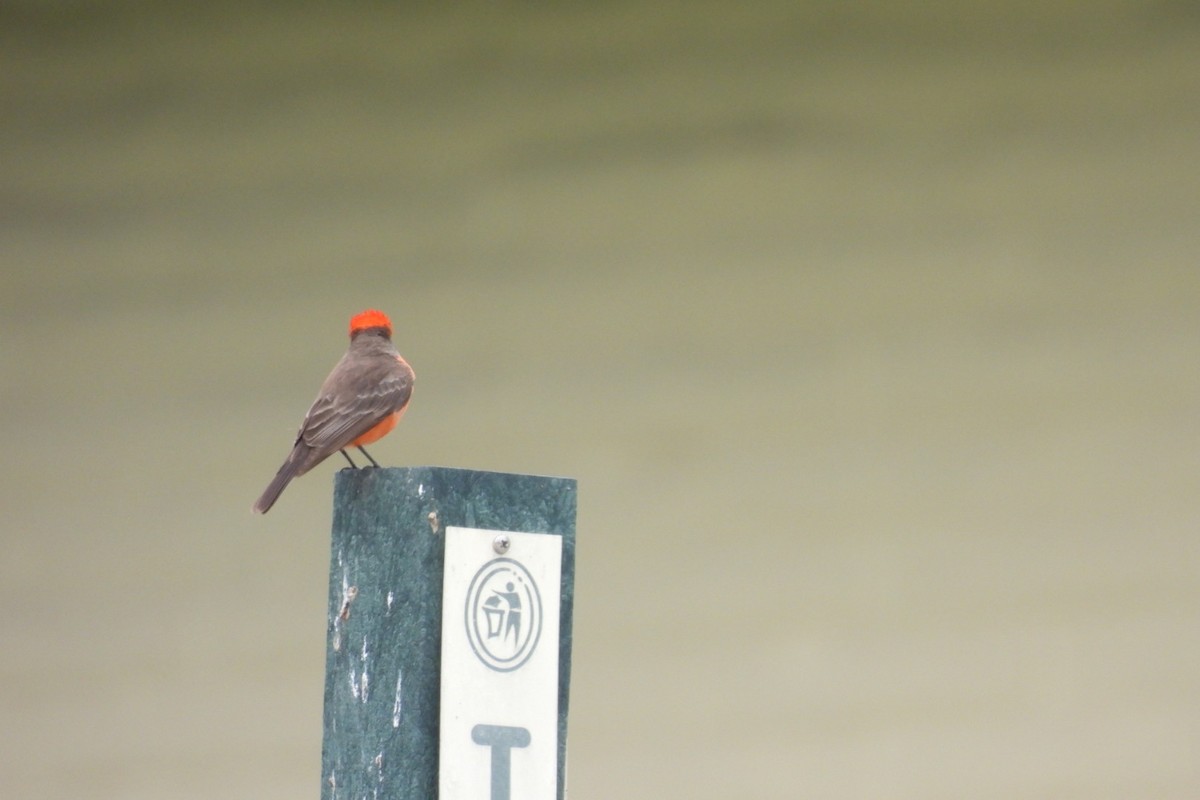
[296, 464]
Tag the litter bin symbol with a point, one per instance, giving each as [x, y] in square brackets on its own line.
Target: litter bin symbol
[503, 614]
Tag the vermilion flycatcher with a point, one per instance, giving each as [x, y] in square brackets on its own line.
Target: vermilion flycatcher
[359, 403]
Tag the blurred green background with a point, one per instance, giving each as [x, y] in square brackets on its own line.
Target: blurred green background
[869, 331]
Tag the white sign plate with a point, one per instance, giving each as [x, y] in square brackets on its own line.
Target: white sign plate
[499, 705]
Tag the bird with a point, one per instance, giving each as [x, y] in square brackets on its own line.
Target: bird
[360, 402]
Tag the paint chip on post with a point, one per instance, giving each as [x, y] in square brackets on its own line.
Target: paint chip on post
[500, 656]
[396, 705]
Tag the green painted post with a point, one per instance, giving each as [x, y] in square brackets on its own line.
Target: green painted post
[383, 649]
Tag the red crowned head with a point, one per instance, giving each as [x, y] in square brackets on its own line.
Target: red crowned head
[370, 319]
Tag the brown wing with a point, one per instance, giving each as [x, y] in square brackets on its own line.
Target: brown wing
[357, 395]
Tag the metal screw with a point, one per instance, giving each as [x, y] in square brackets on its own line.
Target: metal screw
[501, 544]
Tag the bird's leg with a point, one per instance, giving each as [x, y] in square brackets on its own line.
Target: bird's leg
[347, 455]
[368, 455]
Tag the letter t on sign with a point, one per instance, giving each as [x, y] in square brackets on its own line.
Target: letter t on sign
[501, 739]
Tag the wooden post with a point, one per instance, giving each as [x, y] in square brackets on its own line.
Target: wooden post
[383, 649]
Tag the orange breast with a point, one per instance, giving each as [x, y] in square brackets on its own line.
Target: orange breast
[376, 433]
